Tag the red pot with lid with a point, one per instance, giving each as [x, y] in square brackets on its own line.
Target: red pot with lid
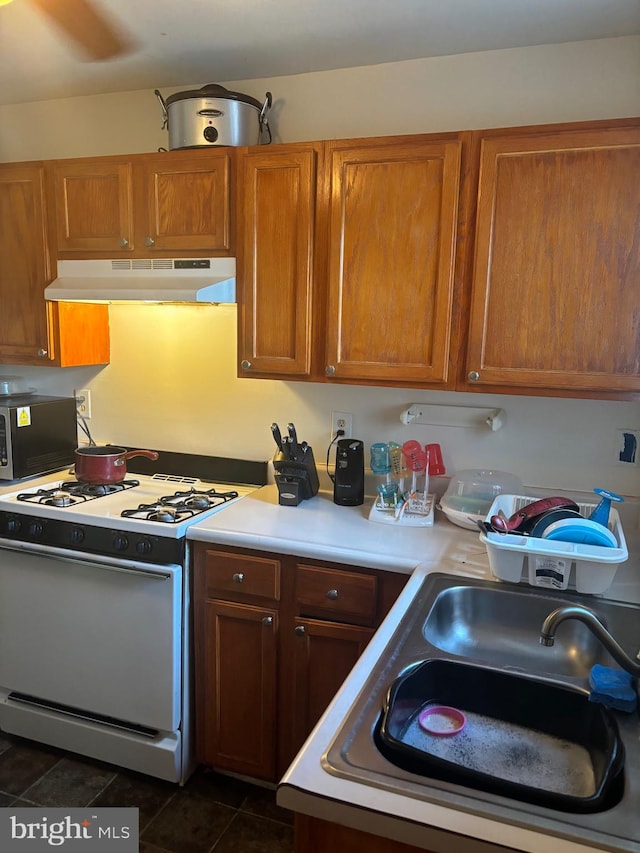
[105, 465]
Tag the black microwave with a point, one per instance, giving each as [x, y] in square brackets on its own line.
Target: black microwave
[38, 435]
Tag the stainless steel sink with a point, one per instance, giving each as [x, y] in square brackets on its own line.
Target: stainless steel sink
[502, 626]
[495, 627]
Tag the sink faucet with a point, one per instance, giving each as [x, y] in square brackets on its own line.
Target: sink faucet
[589, 618]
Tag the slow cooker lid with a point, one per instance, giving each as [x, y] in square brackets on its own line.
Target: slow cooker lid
[213, 90]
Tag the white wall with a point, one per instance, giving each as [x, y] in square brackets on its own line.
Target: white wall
[564, 82]
[171, 383]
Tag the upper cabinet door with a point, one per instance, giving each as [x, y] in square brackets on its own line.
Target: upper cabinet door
[134, 206]
[24, 264]
[393, 220]
[187, 198]
[557, 262]
[277, 204]
[93, 205]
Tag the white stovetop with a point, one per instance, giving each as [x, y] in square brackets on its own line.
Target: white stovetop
[106, 510]
[318, 528]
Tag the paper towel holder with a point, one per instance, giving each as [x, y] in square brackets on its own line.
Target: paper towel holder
[456, 416]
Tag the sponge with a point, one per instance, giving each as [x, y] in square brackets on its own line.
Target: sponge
[613, 688]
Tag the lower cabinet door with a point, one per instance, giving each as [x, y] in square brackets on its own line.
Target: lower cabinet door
[324, 654]
[237, 729]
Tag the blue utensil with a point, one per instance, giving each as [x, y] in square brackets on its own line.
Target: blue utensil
[601, 513]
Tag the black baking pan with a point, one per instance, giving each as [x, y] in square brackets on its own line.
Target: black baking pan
[525, 739]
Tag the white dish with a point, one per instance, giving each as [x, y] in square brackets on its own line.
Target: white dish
[462, 519]
[581, 531]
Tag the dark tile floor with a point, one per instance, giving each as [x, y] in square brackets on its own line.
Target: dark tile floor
[210, 814]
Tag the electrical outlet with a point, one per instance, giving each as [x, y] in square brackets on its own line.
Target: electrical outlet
[343, 421]
[627, 450]
[83, 402]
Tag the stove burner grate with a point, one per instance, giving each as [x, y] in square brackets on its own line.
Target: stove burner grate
[72, 492]
[179, 506]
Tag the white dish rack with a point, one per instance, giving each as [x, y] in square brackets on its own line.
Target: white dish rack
[417, 511]
[551, 563]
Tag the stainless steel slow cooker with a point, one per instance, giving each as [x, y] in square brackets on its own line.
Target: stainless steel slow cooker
[215, 116]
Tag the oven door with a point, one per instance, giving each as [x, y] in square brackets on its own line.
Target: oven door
[99, 636]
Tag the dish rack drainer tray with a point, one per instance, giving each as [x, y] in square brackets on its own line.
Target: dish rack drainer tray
[517, 558]
[408, 518]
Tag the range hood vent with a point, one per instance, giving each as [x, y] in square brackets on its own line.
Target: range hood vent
[145, 280]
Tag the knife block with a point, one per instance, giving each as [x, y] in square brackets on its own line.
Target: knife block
[297, 479]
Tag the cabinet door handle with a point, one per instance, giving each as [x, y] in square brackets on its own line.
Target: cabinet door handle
[238, 577]
[123, 242]
[473, 376]
[330, 370]
[332, 594]
[267, 620]
[245, 365]
[149, 241]
[42, 353]
[300, 630]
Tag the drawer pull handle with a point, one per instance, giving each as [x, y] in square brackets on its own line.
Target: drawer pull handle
[245, 364]
[123, 242]
[300, 630]
[267, 620]
[474, 376]
[332, 594]
[238, 577]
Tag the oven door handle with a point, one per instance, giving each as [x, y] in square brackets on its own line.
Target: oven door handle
[113, 564]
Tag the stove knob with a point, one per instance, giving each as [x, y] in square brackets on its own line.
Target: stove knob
[121, 543]
[77, 535]
[143, 546]
[13, 525]
[35, 529]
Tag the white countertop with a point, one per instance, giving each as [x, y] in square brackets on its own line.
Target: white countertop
[319, 529]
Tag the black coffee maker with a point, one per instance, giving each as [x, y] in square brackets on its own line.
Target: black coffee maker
[295, 468]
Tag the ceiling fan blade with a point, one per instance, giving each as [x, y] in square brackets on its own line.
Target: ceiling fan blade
[88, 27]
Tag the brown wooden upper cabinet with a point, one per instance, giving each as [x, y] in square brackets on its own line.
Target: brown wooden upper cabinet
[359, 262]
[278, 192]
[556, 270]
[393, 213]
[347, 261]
[32, 331]
[165, 203]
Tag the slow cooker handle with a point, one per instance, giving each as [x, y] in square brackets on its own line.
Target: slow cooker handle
[165, 114]
[264, 121]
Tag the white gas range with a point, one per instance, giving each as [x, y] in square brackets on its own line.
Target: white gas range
[95, 616]
[143, 517]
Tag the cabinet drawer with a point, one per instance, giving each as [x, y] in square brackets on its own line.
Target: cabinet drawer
[331, 593]
[238, 576]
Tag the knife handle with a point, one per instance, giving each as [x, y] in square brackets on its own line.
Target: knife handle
[277, 435]
[293, 440]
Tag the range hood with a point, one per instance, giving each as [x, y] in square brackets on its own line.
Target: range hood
[145, 280]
